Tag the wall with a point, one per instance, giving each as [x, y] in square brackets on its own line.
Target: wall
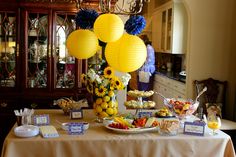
[232, 77]
[210, 44]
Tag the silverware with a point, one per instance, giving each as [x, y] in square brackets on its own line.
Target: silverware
[200, 93]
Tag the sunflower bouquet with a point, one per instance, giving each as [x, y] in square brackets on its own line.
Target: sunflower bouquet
[103, 86]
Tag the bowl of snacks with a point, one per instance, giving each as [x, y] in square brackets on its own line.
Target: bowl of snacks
[164, 112]
[65, 126]
[181, 107]
[169, 127]
[67, 104]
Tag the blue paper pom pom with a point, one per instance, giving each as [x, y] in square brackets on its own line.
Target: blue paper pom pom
[85, 18]
[135, 24]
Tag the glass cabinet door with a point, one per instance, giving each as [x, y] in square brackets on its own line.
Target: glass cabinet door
[169, 30]
[8, 49]
[163, 30]
[65, 64]
[37, 50]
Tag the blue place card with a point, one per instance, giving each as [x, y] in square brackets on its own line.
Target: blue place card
[76, 114]
[42, 119]
[76, 128]
[194, 128]
[144, 114]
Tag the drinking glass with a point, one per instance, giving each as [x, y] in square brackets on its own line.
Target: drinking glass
[213, 123]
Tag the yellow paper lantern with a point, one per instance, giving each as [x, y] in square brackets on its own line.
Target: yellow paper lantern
[108, 27]
[126, 54]
[82, 44]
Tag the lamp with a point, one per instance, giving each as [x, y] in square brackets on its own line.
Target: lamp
[125, 7]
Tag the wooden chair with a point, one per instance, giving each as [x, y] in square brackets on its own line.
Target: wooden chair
[216, 93]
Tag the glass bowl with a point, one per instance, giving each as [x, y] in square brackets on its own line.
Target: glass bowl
[181, 107]
[169, 127]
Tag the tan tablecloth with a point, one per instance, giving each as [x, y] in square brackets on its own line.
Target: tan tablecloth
[98, 141]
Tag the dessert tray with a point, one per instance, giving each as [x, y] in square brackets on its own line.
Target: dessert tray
[137, 93]
[139, 103]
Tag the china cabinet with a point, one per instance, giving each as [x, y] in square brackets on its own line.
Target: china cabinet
[169, 28]
[35, 67]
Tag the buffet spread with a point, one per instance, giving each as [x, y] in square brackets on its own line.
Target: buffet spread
[64, 136]
[73, 130]
[165, 121]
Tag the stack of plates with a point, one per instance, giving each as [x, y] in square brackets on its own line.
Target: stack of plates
[26, 131]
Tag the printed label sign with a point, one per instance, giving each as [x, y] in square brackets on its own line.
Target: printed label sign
[76, 128]
[144, 114]
[194, 128]
[41, 119]
[76, 114]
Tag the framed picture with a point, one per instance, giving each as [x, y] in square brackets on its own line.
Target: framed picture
[42, 119]
[76, 114]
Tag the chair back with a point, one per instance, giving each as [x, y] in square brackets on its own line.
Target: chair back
[215, 93]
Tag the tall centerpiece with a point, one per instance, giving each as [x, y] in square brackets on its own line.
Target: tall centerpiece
[123, 52]
[103, 86]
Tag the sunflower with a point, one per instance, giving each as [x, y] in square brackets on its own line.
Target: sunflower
[100, 91]
[83, 78]
[116, 83]
[119, 84]
[108, 72]
[112, 85]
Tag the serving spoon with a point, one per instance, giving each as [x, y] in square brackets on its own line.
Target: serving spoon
[200, 93]
[164, 98]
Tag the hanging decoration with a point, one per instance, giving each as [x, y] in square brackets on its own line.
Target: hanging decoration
[82, 44]
[108, 27]
[126, 54]
[85, 18]
[135, 24]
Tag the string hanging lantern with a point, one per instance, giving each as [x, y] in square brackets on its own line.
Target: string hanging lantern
[108, 27]
[82, 44]
[126, 54]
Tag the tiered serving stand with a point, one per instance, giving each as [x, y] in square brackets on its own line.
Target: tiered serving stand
[140, 104]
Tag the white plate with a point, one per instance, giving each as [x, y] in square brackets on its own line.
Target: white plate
[26, 131]
[131, 130]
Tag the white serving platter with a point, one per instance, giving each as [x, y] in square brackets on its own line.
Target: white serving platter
[131, 130]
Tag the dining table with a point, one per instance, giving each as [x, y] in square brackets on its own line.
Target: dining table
[99, 141]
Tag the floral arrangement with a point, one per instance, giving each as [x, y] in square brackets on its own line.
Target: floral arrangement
[103, 85]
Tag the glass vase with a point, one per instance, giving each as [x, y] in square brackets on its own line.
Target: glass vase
[105, 106]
